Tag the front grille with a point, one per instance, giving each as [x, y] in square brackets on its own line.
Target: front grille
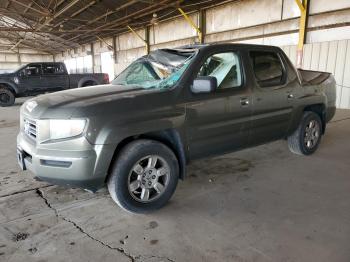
[30, 128]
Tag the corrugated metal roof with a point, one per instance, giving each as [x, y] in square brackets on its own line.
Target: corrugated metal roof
[56, 25]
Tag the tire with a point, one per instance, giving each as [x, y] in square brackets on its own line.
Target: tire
[7, 97]
[157, 177]
[300, 141]
[89, 83]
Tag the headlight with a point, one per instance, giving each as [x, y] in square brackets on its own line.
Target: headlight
[66, 128]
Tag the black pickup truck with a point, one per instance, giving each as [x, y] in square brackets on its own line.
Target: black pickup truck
[166, 109]
[38, 78]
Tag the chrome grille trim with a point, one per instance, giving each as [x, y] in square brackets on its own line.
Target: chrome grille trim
[29, 128]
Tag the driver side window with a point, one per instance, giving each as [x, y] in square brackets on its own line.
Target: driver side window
[32, 70]
[225, 67]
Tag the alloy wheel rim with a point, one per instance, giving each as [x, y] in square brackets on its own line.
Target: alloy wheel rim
[312, 134]
[148, 178]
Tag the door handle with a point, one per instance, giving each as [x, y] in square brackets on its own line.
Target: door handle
[244, 102]
[290, 96]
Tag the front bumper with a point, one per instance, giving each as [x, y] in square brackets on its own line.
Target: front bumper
[74, 162]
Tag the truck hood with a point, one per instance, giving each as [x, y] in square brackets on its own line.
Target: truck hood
[6, 75]
[78, 102]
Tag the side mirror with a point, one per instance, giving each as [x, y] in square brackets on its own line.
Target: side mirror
[204, 84]
[21, 73]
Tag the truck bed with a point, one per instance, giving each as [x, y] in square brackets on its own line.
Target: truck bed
[310, 77]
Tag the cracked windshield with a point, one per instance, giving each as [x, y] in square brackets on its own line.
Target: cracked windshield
[160, 69]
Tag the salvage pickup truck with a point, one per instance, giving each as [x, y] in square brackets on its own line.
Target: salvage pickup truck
[166, 109]
[37, 78]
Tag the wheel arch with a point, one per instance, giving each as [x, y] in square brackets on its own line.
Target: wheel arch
[10, 87]
[85, 80]
[320, 110]
[169, 137]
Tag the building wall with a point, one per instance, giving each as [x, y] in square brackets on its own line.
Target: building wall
[12, 60]
[280, 26]
[271, 22]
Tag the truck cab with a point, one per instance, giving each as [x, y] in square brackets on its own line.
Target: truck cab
[38, 78]
[43, 77]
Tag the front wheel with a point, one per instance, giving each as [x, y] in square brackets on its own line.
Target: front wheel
[7, 97]
[306, 139]
[144, 176]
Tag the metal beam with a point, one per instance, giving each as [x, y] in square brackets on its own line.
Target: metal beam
[140, 37]
[18, 57]
[29, 6]
[7, 5]
[104, 41]
[147, 37]
[33, 30]
[58, 13]
[304, 13]
[93, 57]
[83, 9]
[190, 21]
[124, 20]
[115, 49]
[119, 24]
[202, 24]
[103, 16]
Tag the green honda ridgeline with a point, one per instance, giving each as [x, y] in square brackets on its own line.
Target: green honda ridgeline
[166, 109]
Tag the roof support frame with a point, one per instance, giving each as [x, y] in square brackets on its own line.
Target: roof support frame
[194, 26]
[141, 38]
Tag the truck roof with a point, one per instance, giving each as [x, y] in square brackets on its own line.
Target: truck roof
[195, 47]
[242, 45]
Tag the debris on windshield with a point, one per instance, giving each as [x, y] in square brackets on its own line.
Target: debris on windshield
[160, 69]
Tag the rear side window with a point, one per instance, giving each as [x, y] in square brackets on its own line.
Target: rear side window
[51, 69]
[268, 68]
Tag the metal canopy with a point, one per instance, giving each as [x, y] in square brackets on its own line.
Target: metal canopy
[56, 25]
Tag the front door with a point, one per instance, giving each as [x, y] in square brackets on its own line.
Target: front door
[218, 122]
[272, 95]
[29, 79]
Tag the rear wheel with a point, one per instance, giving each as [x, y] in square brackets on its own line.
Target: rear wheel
[7, 97]
[89, 83]
[144, 176]
[306, 139]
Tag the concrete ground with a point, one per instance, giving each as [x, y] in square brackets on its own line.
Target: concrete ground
[261, 204]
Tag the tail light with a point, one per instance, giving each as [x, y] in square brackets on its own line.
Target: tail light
[106, 78]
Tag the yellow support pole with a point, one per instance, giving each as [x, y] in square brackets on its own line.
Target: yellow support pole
[143, 40]
[300, 5]
[303, 6]
[189, 20]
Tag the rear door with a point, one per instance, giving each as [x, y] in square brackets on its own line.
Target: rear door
[54, 76]
[218, 122]
[272, 96]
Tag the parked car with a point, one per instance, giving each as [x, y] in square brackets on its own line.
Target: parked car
[166, 109]
[37, 78]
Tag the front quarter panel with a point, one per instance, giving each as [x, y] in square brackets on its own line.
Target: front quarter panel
[9, 81]
[118, 120]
